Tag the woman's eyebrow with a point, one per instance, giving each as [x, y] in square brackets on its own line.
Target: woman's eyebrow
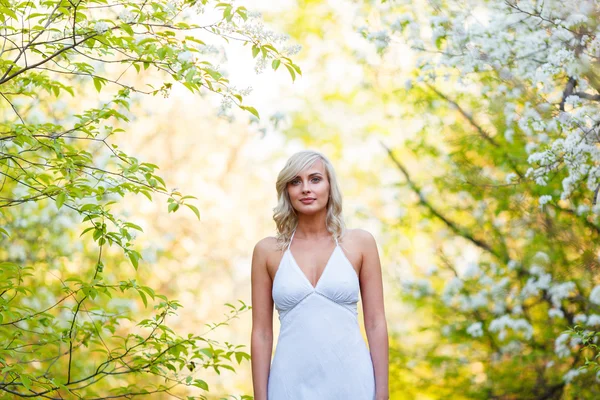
[314, 173]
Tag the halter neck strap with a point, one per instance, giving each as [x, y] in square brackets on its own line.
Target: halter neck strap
[292, 238]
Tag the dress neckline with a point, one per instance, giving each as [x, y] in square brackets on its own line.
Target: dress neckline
[289, 250]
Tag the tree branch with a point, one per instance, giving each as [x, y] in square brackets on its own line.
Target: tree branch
[450, 224]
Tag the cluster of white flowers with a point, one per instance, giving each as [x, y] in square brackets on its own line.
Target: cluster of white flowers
[256, 31]
[544, 199]
[100, 27]
[417, 288]
[226, 102]
[525, 54]
[475, 329]
[381, 39]
[510, 177]
[556, 313]
[472, 270]
[127, 16]
[593, 320]
[595, 295]
[512, 347]
[561, 348]
[579, 318]
[171, 7]
[473, 301]
[560, 291]
[254, 14]
[573, 373]
[208, 49]
[505, 322]
[185, 57]
[260, 65]
[536, 283]
[452, 288]
[291, 50]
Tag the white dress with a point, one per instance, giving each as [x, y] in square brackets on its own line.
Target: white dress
[320, 353]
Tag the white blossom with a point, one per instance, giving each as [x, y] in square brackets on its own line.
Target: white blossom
[580, 318]
[452, 287]
[512, 347]
[505, 322]
[535, 284]
[560, 291]
[446, 330]
[380, 38]
[595, 295]
[544, 199]
[418, 287]
[561, 348]
[471, 270]
[556, 313]
[260, 65]
[475, 329]
[291, 50]
[100, 27]
[593, 320]
[510, 177]
[252, 14]
[572, 374]
[127, 16]
[185, 57]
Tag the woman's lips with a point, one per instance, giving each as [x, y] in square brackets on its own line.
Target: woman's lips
[307, 201]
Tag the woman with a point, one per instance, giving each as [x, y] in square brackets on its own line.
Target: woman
[312, 271]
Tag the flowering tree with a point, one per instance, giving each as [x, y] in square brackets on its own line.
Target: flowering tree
[68, 74]
[507, 98]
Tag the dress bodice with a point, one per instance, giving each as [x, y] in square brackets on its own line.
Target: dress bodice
[338, 282]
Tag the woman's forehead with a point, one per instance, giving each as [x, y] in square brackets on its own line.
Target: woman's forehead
[315, 168]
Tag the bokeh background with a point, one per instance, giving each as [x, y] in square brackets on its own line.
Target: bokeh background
[465, 138]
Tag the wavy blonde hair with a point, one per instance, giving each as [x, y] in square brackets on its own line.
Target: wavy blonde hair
[285, 215]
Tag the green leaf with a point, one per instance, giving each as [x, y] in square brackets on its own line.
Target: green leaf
[26, 382]
[255, 51]
[8, 11]
[98, 83]
[133, 257]
[292, 72]
[195, 210]
[144, 299]
[252, 110]
[127, 28]
[201, 384]
[4, 232]
[134, 226]
[60, 199]
[297, 68]
[275, 64]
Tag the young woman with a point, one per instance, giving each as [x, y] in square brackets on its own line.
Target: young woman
[313, 272]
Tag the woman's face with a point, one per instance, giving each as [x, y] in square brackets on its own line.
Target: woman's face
[309, 190]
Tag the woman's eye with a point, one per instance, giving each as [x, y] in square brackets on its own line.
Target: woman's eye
[316, 179]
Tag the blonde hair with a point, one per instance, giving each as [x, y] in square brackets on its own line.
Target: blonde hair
[285, 215]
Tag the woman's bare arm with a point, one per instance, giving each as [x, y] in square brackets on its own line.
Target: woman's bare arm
[374, 313]
[261, 345]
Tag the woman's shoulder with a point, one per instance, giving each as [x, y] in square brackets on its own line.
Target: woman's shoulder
[266, 245]
[358, 236]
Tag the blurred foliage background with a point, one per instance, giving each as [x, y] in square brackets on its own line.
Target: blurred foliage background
[465, 137]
